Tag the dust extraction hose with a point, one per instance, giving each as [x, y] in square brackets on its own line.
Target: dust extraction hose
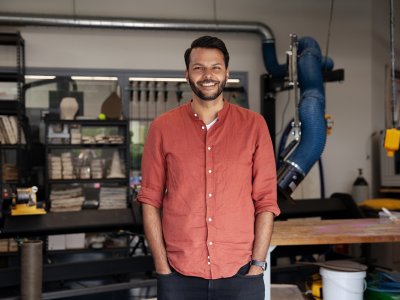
[311, 111]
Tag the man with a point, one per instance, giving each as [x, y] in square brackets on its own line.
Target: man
[209, 166]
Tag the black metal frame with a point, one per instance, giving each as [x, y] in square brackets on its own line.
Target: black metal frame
[83, 270]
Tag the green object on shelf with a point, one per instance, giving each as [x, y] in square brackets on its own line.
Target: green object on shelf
[383, 285]
[374, 295]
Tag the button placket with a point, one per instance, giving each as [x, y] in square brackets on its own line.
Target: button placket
[209, 172]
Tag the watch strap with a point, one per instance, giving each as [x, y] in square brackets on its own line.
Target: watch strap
[258, 263]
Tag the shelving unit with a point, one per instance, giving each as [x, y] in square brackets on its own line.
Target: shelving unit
[84, 220]
[16, 151]
[90, 156]
[18, 75]
[112, 261]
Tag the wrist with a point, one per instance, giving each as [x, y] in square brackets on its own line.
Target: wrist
[162, 266]
[255, 270]
[165, 270]
[259, 263]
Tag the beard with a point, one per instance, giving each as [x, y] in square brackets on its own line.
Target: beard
[201, 95]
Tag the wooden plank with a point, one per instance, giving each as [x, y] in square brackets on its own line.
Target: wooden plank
[347, 231]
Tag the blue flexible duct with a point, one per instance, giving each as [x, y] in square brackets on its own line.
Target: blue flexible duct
[311, 111]
[311, 107]
[283, 148]
[271, 60]
[281, 70]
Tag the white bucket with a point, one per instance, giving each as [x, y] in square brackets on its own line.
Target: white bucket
[342, 285]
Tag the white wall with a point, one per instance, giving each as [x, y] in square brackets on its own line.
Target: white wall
[358, 43]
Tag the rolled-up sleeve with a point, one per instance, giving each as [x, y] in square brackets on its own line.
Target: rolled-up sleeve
[264, 190]
[153, 169]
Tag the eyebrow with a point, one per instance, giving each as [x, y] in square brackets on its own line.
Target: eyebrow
[200, 64]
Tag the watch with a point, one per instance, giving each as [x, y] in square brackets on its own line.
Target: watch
[258, 263]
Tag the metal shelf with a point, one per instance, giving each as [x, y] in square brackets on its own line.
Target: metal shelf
[91, 122]
[12, 147]
[90, 220]
[11, 39]
[101, 180]
[79, 270]
[73, 146]
[11, 107]
[11, 77]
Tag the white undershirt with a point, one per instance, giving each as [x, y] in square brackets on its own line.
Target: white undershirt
[211, 124]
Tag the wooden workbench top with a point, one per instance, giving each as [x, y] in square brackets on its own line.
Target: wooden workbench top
[313, 232]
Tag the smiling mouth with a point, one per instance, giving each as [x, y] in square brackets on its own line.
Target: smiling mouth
[208, 83]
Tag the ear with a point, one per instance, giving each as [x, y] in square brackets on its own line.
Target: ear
[227, 74]
[187, 76]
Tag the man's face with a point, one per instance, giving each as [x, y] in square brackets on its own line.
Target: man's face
[207, 74]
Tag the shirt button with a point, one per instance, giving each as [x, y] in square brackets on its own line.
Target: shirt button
[209, 148]
[209, 263]
[209, 219]
[195, 115]
[210, 243]
[209, 195]
[203, 127]
[208, 257]
[209, 171]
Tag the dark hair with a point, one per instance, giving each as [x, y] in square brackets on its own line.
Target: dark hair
[209, 42]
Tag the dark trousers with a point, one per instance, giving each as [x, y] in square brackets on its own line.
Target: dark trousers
[176, 286]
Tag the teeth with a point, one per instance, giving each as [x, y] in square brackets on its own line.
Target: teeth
[208, 84]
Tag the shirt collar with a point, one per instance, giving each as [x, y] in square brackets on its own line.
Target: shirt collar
[221, 114]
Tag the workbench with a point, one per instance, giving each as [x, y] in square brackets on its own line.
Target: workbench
[318, 232]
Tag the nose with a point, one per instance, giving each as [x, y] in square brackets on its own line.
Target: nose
[208, 73]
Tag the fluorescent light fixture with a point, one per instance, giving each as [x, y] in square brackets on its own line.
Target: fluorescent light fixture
[162, 79]
[39, 77]
[169, 79]
[105, 78]
[94, 78]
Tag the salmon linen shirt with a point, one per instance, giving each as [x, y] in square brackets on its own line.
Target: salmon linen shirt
[210, 185]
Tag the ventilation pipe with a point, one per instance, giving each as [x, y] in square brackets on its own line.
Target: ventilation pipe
[108, 23]
[311, 112]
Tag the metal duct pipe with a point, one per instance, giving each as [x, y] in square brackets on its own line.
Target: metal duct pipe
[108, 23]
